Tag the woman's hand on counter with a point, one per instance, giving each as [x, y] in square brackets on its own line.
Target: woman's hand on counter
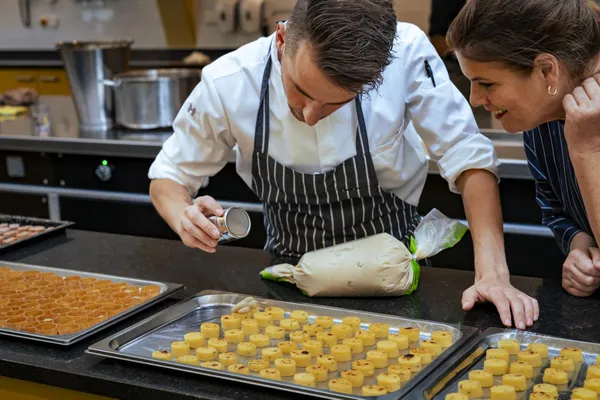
[196, 230]
[581, 271]
[512, 304]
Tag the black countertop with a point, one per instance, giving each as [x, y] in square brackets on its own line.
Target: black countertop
[236, 270]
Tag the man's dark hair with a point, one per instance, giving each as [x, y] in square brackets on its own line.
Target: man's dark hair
[351, 40]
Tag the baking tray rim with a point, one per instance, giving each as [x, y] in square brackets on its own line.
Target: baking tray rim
[59, 227]
[103, 348]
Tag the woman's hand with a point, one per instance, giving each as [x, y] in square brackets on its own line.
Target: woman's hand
[582, 117]
[581, 272]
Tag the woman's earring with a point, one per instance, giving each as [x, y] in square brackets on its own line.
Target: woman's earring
[552, 90]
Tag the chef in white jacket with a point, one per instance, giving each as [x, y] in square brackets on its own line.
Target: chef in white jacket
[325, 117]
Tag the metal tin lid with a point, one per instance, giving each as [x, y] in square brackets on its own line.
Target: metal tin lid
[237, 222]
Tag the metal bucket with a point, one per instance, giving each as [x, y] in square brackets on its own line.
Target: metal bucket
[88, 64]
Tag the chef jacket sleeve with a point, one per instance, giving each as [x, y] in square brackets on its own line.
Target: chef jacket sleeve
[554, 217]
[441, 114]
[201, 142]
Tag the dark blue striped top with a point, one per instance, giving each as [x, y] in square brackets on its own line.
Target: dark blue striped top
[557, 191]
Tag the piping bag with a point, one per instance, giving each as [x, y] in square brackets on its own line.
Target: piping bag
[378, 265]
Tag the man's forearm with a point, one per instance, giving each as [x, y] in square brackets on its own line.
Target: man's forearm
[170, 199]
[587, 168]
[481, 200]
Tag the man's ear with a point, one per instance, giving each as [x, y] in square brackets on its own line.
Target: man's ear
[280, 38]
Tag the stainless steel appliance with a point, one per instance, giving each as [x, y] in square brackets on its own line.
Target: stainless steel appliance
[88, 64]
[151, 99]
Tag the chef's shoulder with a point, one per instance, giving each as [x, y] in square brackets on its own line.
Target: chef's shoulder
[411, 41]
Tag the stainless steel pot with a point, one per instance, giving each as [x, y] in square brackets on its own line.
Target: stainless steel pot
[151, 99]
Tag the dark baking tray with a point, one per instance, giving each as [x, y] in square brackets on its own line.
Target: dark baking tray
[59, 229]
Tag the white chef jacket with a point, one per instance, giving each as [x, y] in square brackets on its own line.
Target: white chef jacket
[220, 116]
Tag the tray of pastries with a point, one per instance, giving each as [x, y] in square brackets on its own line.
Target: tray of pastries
[513, 365]
[16, 231]
[320, 351]
[62, 306]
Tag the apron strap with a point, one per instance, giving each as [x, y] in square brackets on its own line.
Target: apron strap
[261, 132]
[362, 142]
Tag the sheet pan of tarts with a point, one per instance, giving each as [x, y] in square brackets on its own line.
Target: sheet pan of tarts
[16, 231]
[507, 364]
[322, 351]
[63, 306]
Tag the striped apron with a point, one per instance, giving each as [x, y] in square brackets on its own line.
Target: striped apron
[305, 212]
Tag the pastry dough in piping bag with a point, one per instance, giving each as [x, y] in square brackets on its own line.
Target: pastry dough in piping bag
[378, 265]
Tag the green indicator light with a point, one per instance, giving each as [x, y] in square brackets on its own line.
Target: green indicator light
[104, 162]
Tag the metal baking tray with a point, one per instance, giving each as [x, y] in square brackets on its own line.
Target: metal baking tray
[167, 290]
[136, 343]
[59, 227]
[471, 357]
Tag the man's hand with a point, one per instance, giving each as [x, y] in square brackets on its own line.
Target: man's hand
[195, 229]
[508, 300]
[581, 272]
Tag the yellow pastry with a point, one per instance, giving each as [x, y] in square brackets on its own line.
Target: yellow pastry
[598, 360]
[412, 333]
[530, 357]
[555, 376]
[433, 346]
[573, 353]
[411, 361]
[206, 353]
[327, 338]
[442, 337]
[356, 345]
[540, 396]
[305, 379]
[188, 359]
[368, 338]
[401, 341]
[258, 365]
[456, 396]
[523, 368]
[353, 322]
[320, 372]
[194, 339]
[510, 345]
[287, 347]
[539, 348]
[341, 353]
[275, 332]
[300, 316]
[485, 378]
[373, 390]
[391, 382]
[275, 312]
[242, 316]
[592, 384]
[403, 372]
[286, 366]
[426, 355]
[228, 359]
[314, 347]
[518, 381]
[162, 355]
[302, 357]
[313, 329]
[380, 330]
[354, 376]
[365, 366]
[497, 354]
[289, 324]
[179, 349]
[379, 358]
[562, 362]
[271, 354]
[389, 347]
[328, 362]
[231, 322]
[270, 373]
[239, 369]
[593, 372]
[250, 327]
[342, 331]
[472, 389]
[324, 321]
[260, 340]
[546, 388]
[503, 392]
[584, 394]
[233, 336]
[340, 386]
[210, 330]
[264, 319]
[218, 344]
[246, 349]
[299, 337]
[496, 366]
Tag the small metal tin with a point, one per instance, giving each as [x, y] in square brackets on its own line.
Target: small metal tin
[235, 224]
